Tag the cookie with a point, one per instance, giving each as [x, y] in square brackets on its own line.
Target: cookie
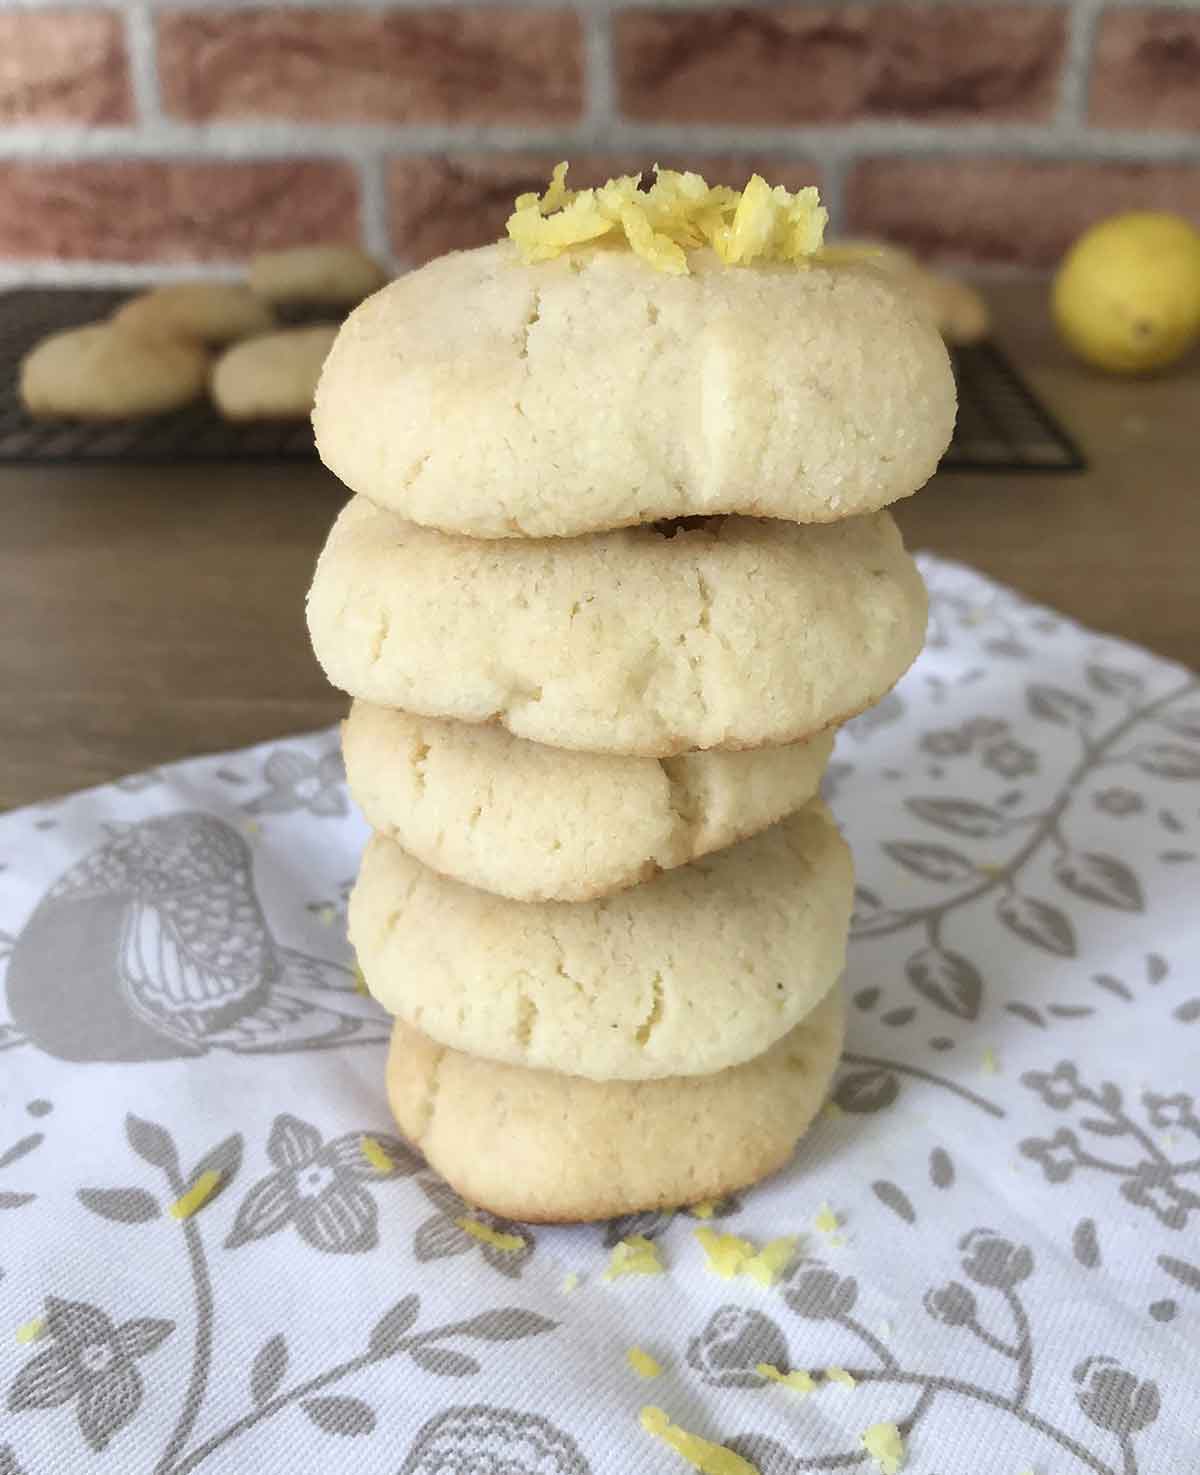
[701, 968]
[215, 313]
[101, 373]
[482, 396]
[739, 633]
[334, 276]
[539, 824]
[272, 377]
[537, 1146]
[955, 309]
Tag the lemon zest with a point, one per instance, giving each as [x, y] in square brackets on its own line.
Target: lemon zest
[703, 1210]
[486, 1235]
[725, 1255]
[197, 1195]
[833, 1111]
[360, 982]
[636, 1255]
[991, 1064]
[772, 1260]
[642, 1363]
[840, 1375]
[376, 1154]
[885, 1446]
[32, 1330]
[825, 1221]
[798, 1380]
[570, 1281]
[701, 1454]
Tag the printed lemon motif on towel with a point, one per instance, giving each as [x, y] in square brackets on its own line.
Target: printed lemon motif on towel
[680, 212]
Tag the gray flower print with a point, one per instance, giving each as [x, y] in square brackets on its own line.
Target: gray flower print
[319, 1189]
[733, 1343]
[982, 728]
[1166, 1112]
[296, 781]
[1058, 1156]
[882, 714]
[821, 1295]
[478, 1440]
[440, 1236]
[991, 1260]
[952, 1304]
[947, 742]
[90, 1362]
[1118, 801]
[1153, 1186]
[1114, 1399]
[1010, 759]
[1058, 1088]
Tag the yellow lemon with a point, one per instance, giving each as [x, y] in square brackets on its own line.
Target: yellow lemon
[1127, 295]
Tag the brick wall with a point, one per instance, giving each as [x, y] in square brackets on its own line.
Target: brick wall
[160, 137]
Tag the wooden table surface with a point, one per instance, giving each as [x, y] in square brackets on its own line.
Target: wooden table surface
[147, 614]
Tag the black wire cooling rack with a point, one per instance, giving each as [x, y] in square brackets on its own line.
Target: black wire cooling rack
[1001, 425]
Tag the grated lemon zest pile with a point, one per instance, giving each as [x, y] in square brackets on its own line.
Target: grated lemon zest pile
[486, 1235]
[32, 1330]
[642, 1363]
[680, 212]
[840, 1375]
[636, 1255]
[798, 1380]
[885, 1446]
[825, 1220]
[376, 1155]
[704, 1210]
[701, 1454]
[570, 1281]
[197, 1195]
[728, 1255]
[772, 1260]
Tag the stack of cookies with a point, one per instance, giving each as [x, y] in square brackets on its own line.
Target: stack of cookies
[615, 570]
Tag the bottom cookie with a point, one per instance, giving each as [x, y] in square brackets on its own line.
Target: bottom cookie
[541, 1147]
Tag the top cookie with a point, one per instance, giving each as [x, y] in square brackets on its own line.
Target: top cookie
[484, 396]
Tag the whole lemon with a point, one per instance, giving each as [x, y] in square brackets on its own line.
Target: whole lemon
[1127, 295]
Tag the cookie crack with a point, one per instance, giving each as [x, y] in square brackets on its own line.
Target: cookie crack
[681, 797]
[654, 1017]
[527, 1017]
[430, 1098]
[382, 629]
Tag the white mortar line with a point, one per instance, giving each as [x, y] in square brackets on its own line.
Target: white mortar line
[598, 74]
[1077, 63]
[376, 234]
[141, 44]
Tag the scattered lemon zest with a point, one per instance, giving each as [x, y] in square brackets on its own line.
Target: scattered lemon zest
[991, 1065]
[885, 1446]
[642, 1363]
[326, 915]
[251, 827]
[376, 1154]
[798, 1380]
[772, 1260]
[678, 213]
[725, 1255]
[701, 1454]
[360, 982]
[826, 1221]
[636, 1255]
[988, 870]
[486, 1235]
[570, 1282]
[32, 1330]
[197, 1195]
[703, 1210]
[837, 1374]
[833, 1111]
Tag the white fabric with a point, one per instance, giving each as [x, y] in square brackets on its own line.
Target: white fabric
[1016, 1171]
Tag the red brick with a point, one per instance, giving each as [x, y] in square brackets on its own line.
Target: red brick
[436, 66]
[450, 203]
[799, 64]
[1023, 212]
[1146, 70]
[158, 210]
[63, 66]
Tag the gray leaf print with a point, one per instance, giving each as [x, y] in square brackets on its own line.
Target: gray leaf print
[946, 979]
[8, 1461]
[819, 1294]
[866, 998]
[270, 1367]
[1188, 1011]
[123, 1205]
[479, 1438]
[16, 1200]
[733, 1343]
[897, 1018]
[225, 1159]
[865, 1091]
[1170, 760]
[1037, 922]
[989, 1259]
[1185, 1274]
[960, 816]
[650, 1223]
[445, 1362]
[389, 1330]
[265, 1209]
[1156, 967]
[438, 1238]
[941, 1168]
[1085, 1244]
[1114, 683]
[1026, 1012]
[337, 1414]
[932, 862]
[152, 1143]
[1185, 722]
[892, 1196]
[1100, 878]
[1052, 704]
[21, 1149]
[505, 1324]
